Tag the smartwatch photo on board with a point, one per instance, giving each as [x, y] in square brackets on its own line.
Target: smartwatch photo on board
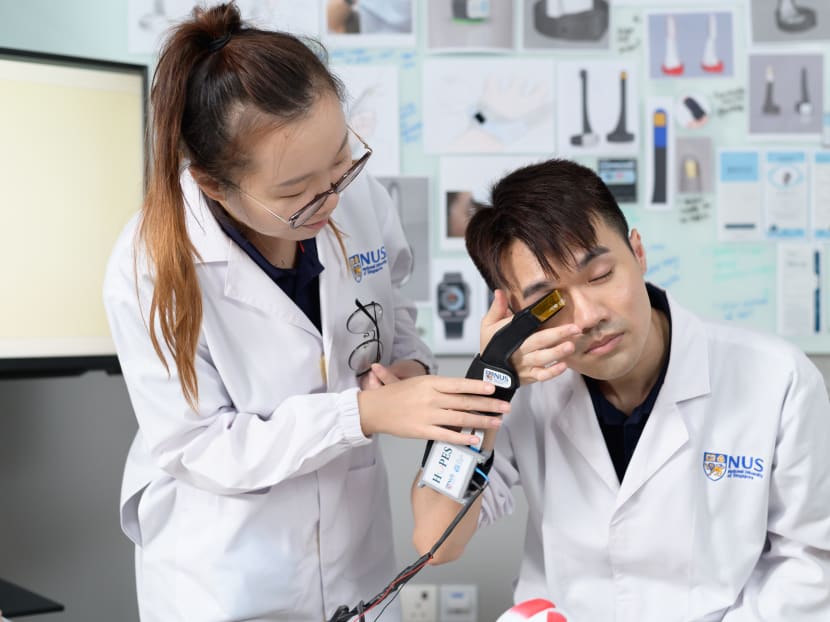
[453, 304]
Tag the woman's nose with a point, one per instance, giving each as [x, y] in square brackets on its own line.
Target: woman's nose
[331, 203]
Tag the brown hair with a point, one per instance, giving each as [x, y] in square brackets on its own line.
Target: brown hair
[552, 207]
[217, 84]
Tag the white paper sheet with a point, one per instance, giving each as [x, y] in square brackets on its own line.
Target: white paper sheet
[739, 195]
[800, 288]
[488, 105]
[820, 195]
[372, 110]
[786, 204]
[148, 20]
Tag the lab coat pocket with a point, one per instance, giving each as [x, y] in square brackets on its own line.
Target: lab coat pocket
[370, 534]
[258, 551]
[146, 512]
[129, 516]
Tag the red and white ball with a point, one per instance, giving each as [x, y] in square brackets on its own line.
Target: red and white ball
[535, 610]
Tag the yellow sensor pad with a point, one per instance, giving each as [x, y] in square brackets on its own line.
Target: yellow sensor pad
[548, 306]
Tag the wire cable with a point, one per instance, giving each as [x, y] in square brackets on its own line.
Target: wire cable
[344, 614]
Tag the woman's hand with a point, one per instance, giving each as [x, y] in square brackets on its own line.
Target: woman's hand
[543, 355]
[379, 375]
[428, 407]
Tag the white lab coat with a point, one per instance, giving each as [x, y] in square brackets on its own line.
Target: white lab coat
[269, 503]
[671, 544]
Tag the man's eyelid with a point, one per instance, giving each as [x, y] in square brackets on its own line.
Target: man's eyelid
[600, 265]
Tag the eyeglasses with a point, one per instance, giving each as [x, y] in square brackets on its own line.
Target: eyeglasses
[301, 216]
[364, 322]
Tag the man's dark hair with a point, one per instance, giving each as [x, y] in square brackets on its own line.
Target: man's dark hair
[552, 207]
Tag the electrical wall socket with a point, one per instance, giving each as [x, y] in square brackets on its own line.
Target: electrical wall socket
[419, 603]
[459, 603]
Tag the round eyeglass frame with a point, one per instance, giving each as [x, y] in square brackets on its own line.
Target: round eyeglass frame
[302, 215]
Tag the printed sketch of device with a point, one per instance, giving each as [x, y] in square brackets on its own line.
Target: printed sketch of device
[792, 18]
[660, 129]
[571, 20]
[769, 106]
[620, 134]
[803, 106]
[587, 137]
[710, 62]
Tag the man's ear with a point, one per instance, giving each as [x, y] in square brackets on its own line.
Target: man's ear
[638, 249]
[208, 185]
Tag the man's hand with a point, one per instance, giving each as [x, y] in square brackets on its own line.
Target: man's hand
[543, 355]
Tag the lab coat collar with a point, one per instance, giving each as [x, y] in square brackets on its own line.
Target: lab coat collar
[665, 433]
[687, 377]
[207, 236]
[580, 426]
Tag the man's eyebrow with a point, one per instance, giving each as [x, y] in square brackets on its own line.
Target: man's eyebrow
[547, 286]
[295, 180]
[591, 255]
[535, 288]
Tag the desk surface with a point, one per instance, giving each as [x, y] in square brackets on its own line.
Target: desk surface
[16, 601]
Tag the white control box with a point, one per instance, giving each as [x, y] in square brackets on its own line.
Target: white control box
[459, 603]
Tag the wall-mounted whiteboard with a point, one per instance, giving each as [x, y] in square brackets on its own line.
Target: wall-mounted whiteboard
[71, 174]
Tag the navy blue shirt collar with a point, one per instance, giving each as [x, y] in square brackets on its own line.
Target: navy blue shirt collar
[621, 432]
[300, 284]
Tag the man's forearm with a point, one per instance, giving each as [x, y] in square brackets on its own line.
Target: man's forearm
[433, 512]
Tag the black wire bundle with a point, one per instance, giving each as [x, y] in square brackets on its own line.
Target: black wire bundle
[344, 614]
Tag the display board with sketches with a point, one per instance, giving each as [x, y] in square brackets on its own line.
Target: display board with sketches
[709, 122]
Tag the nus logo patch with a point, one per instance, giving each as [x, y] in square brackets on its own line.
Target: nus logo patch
[716, 466]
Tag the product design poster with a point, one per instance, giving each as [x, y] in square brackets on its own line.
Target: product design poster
[786, 197]
[820, 195]
[410, 195]
[488, 105]
[459, 304]
[148, 20]
[800, 284]
[692, 110]
[469, 25]
[695, 165]
[373, 113]
[690, 45]
[565, 24]
[465, 185]
[789, 21]
[659, 167]
[739, 196]
[597, 111]
[786, 95]
[368, 23]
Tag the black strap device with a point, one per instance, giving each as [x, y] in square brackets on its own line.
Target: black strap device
[448, 468]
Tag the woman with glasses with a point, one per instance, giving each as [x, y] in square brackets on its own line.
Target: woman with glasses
[248, 302]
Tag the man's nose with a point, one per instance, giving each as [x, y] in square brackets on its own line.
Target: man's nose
[587, 312]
